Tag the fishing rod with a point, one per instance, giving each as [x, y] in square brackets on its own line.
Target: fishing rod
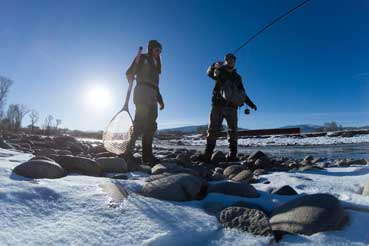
[270, 24]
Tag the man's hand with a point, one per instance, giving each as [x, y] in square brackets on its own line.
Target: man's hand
[218, 64]
[253, 106]
[130, 78]
[161, 105]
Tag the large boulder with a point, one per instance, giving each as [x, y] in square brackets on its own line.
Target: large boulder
[177, 187]
[80, 165]
[39, 169]
[112, 164]
[247, 219]
[308, 214]
[234, 188]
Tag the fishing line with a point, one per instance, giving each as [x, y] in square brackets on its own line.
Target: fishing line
[270, 24]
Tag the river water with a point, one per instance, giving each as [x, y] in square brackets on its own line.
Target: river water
[336, 151]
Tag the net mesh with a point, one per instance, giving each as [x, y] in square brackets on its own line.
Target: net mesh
[117, 133]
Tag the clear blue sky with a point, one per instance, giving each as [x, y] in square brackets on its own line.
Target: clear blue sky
[312, 67]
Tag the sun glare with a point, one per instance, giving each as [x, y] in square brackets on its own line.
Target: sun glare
[98, 97]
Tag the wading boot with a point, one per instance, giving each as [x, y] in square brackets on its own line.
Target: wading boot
[232, 155]
[209, 149]
[147, 156]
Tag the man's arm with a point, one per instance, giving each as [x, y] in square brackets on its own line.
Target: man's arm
[247, 100]
[160, 100]
[212, 70]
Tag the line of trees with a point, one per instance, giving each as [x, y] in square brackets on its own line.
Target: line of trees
[12, 119]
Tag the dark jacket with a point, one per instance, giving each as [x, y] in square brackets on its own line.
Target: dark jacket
[146, 73]
[220, 76]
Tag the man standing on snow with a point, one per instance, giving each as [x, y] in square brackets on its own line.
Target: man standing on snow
[228, 95]
[146, 98]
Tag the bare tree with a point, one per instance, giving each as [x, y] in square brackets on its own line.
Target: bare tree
[48, 123]
[5, 84]
[34, 117]
[58, 123]
[15, 115]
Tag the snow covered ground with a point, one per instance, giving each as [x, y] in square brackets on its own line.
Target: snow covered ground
[75, 210]
[283, 140]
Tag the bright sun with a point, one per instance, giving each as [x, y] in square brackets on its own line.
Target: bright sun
[98, 97]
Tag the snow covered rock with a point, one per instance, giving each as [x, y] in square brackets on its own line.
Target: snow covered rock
[308, 214]
[234, 189]
[250, 220]
[166, 167]
[38, 169]
[177, 187]
[80, 165]
[112, 164]
[243, 176]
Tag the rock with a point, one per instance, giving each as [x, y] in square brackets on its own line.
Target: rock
[285, 191]
[217, 177]
[234, 189]
[177, 187]
[105, 154]
[213, 208]
[248, 164]
[307, 168]
[112, 164]
[46, 152]
[246, 219]
[39, 169]
[42, 158]
[184, 159]
[259, 172]
[64, 152]
[143, 168]
[256, 155]
[218, 156]
[308, 214]
[98, 149]
[166, 167]
[243, 176]
[219, 170]
[244, 204]
[5, 145]
[263, 163]
[309, 158]
[202, 171]
[120, 176]
[232, 170]
[80, 165]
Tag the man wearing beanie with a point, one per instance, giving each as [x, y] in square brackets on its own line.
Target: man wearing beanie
[146, 99]
[228, 95]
